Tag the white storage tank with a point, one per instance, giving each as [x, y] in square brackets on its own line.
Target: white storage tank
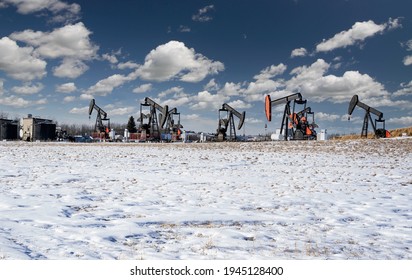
[277, 136]
[322, 136]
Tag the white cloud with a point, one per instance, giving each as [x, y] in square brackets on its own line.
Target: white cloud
[121, 111]
[66, 88]
[358, 33]
[202, 14]
[239, 104]
[407, 60]
[299, 52]
[170, 91]
[253, 120]
[231, 89]
[271, 72]
[206, 100]
[313, 83]
[408, 45]
[327, 117]
[406, 89]
[86, 96]
[18, 102]
[110, 57]
[264, 83]
[407, 121]
[143, 88]
[70, 68]
[184, 29]
[107, 85]
[68, 99]
[128, 65]
[191, 117]
[212, 85]
[62, 11]
[1, 87]
[28, 88]
[174, 60]
[80, 111]
[20, 63]
[69, 41]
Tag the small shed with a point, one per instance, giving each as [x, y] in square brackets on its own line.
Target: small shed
[9, 129]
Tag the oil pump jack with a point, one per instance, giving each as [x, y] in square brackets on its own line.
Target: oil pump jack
[151, 129]
[228, 122]
[99, 127]
[295, 126]
[173, 125]
[379, 132]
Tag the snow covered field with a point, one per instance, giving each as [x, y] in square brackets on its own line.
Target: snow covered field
[294, 200]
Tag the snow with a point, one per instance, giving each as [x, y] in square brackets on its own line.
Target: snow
[268, 200]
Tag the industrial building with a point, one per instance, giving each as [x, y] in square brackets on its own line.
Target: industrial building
[9, 129]
[37, 129]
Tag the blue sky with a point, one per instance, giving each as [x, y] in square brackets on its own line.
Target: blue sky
[56, 55]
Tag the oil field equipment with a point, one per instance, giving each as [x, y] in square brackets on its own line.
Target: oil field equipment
[227, 122]
[379, 132]
[151, 130]
[101, 117]
[9, 129]
[37, 129]
[173, 126]
[295, 124]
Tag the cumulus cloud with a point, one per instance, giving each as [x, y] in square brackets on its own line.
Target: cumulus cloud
[67, 41]
[110, 57]
[239, 104]
[66, 88]
[405, 121]
[107, 85]
[28, 88]
[71, 43]
[61, 11]
[142, 88]
[20, 63]
[203, 14]
[121, 111]
[80, 111]
[406, 89]
[207, 100]
[407, 60]
[264, 83]
[312, 82]
[299, 52]
[70, 68]
[212, 85]
[19, 102]
[68, 99]
[327, 117]
[174, 60]
[231, 89]
[271, 72]
[1, 87]
[358, 33]
[128, 65]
